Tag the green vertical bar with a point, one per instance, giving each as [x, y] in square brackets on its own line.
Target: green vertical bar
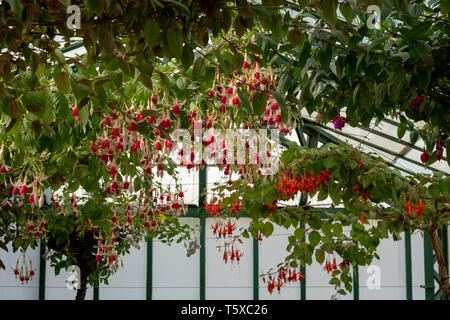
[42, 270]
[96, 290]
[149, 284]
[355, 283]
[303, 271]
[408, 266]
[201, 189]
[429, 270]
[202, 256]
[255, 269]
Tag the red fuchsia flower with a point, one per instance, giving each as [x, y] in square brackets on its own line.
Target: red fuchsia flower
[211, 93]
[119, 146]
[264, 80]
[75, 113]
[31, 198]
[132, 126]
[425, 156]
[158, 145]
[112, 172]
[168, 144]
[339, 122]
[420, 207]
[135, 147]
[439, 144]
[256, 75]
[362, 219]
[222, 108]
[223, 99]
[94, 148]
[141, 117]
[24, 189]
[166, 124]
[176, 109]
[246, 65]
[105, 144]
[439, 155]
[229, 90]
[409, 208]
[15, 191]
[154, 100]
[115, 133]
[415, 103]
[107, 121]
[3, 170]
[275, 106]
[235, 100]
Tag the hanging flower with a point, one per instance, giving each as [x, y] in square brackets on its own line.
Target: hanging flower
[339, 122]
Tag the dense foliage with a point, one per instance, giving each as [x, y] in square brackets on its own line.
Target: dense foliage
[96, 129]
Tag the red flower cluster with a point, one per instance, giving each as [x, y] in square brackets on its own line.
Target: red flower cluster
[25, 271]
[272, 207]
[233, 254]
[221, 230]
[283, 277]
[418, 209]
[213, 209]
[331, 267]
[289, 186]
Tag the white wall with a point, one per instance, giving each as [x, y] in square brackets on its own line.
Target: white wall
[176, 276]
[11, 288]
[229, 280]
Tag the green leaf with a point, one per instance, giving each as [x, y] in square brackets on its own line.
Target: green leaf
[434, 190]
[328, 8]
[245, 101]
[96, 6]
[62, 81]
[346, 11]
[16, 7]
[188, 56]
[151, 31]
[199, 68]
[299, 233]
[422, 48]
[294, 37]
[401, 129]
[259, 103]
[175, 41]
[224, 67]
[314, 238]
[266, 229]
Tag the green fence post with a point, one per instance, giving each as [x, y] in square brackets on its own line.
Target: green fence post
[408, 266]
[42, 270]
[255, 269]
[149, 284]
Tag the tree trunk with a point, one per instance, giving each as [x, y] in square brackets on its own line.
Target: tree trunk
[440, 260]
[81, 292]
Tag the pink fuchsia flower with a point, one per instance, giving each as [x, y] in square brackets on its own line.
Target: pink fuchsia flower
[339, 122]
